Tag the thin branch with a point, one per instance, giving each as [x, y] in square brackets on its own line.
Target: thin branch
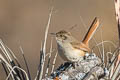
[44, 44]
[39, 66]
[49, 58]
[54, 62]
[9, 66]
[4, 50]
[116, 72]
[25, 63]
[5, 69]
[105, 42]
[103, 53]
[19, 69]
[14, 57]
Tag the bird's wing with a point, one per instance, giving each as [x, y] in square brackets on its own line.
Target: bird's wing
[80, 46]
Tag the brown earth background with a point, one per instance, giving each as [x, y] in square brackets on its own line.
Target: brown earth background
[23, 22]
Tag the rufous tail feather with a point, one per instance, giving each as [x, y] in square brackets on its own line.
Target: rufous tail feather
[91, 31]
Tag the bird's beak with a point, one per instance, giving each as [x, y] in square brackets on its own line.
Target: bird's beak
[54, 34]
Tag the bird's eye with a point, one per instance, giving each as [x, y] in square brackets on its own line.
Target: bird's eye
[61, 35]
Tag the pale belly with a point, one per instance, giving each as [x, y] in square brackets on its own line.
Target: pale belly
[69, 54]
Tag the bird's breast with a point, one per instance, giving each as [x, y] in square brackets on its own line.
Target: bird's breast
[68, 53]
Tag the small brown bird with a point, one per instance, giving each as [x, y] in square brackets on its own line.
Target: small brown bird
[71, 49]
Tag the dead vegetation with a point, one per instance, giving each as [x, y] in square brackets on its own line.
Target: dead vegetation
[91, 68]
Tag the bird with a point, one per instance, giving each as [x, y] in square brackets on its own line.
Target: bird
[69, 48]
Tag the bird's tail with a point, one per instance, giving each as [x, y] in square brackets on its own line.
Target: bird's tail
[91, 31]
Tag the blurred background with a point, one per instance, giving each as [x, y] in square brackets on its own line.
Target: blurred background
[23, 23]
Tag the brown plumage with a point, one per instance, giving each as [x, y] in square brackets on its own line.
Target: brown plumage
[71, 49]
